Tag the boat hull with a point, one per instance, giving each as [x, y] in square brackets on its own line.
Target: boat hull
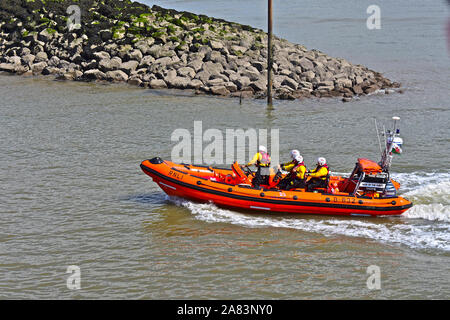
[175, 181]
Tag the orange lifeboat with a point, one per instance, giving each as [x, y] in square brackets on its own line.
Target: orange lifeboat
[363, 193]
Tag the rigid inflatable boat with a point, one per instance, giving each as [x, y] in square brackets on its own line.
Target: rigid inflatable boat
[367, 191]
[232, 188]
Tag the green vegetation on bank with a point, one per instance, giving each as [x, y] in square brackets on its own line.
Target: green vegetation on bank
[121, 20]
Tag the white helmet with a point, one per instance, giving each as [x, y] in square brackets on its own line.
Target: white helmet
[262, 149]
[299, 158]
[321, 161]
[294, 154]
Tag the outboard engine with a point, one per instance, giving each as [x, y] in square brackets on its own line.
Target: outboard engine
[390, 190]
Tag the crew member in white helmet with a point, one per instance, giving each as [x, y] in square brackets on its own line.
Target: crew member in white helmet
[261, 160]
[318, 176]
[297, 170]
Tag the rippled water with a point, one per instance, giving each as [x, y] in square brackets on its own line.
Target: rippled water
[72, 192]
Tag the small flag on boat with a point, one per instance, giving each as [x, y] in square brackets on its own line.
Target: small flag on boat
[396, 149]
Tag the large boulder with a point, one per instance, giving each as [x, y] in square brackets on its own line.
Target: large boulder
[129, 66]
[117, 75]
[94, 74]
[212, 67]
[196, 64]
[102, 55]
[7, 67]
[179, 82]
[38, 67]
[158, 84]
[41, 56]
[186, 72]
[220, 90]
[110, 64]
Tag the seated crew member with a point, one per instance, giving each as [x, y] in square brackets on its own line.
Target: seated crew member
[262, 162]
[288, 166]
[297, 174]
[318, 175]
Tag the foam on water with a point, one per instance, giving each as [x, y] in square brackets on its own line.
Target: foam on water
[428, 191]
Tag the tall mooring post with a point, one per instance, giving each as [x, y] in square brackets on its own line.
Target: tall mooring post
[269, 54]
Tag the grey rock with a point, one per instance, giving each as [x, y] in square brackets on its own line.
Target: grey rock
[38, 67]
[215, 82]
[135, 55]
[134, 81]
[259, 65]
[216, 45]
[306, 64]
[54, 61]
[290, 83]
[195, 84]
[116, 75]
[110, 64]
[93, 64]
[7, 67]
[164, 61]
[252, 75]
[358, 90]
[242, 82]
[343, 83]
[212, 67]
[231, 86]
[259, 85]
[94, 74]
[220, 90]
[203, 76]
[308, 75]
[179, 82]
[102, 55]
[195, 64]
[41, 56]
[371, 89]
[186, 72]
[325, 84]
[28, 59]
[146, 61]
[129, 66]
[45, 36]
[238, 49]
[158, 84]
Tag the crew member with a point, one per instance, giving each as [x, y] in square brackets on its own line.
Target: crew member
[289, 165]
[318, 176]
[262, 162]
[296, 170]
[297, 174]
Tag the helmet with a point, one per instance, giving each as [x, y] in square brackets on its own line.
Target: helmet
[294, 153]
[299, 158]
[322, 161]
[262, 149]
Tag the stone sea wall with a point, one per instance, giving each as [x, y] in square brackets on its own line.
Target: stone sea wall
[124, 41]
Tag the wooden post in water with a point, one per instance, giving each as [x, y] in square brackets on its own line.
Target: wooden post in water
[269, 54]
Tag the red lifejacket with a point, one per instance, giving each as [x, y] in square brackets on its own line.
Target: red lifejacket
[297, 165]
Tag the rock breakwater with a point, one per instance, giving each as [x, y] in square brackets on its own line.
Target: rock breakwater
[124, 41]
